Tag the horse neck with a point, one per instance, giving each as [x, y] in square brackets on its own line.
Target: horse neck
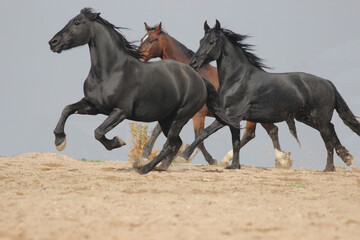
[105, 52]
[174, 50]
[232, 63]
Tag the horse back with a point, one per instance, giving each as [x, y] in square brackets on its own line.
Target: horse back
[278, 96]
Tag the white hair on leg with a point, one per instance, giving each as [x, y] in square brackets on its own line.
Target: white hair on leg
[282, 159]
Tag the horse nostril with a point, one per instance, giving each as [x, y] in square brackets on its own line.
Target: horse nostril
[54, 42]
[194, 64]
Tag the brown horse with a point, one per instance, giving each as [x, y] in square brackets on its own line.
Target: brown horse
[158, 43]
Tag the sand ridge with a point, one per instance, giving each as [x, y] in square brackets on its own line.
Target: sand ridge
[53, 196]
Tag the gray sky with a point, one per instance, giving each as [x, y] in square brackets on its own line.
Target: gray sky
[318, 37]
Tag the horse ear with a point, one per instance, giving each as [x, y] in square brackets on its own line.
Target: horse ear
[146, 26]
[217, 25]
[94, 16]
[206, 27]
[158, 29]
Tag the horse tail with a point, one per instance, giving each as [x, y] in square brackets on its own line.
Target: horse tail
[345, 113]
[214, 105]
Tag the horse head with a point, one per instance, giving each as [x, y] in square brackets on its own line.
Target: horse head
[210, 47]
[150, 45]
[77, 32]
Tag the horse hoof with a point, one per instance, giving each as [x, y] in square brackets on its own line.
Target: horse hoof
[225, 162]
[213, 162]
[122, 142]
[282, 159]
[348, 160]
[140, 162]
[329, 169]
[162, 168]
[61, 146]
[233, 167]
[143, 170]
[179, 159]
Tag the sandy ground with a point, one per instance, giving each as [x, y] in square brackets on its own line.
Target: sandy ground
[51, 196]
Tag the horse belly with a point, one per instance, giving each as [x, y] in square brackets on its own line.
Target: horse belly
[155, 103]
[275, 109]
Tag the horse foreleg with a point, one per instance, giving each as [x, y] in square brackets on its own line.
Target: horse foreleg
[235, 135]
[81, 107]
[150, 144]
[213, 127]
[249, 134]
[198, 123]
[340, 150]
[327, 136]
[114, 118]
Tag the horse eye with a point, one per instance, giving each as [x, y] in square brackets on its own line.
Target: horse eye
[211, 42]
[76, 23]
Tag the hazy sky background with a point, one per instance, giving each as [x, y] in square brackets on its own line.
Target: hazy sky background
[318, 37]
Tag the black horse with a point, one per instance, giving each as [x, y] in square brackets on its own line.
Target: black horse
[270, 97]
[122, 87]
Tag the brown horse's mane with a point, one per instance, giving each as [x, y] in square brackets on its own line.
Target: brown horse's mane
[179, 44]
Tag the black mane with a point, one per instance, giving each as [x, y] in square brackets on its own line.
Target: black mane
[130, 48]
[237, 40]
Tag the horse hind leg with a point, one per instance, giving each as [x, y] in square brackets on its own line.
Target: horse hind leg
[340, 150]
[150, 144]
[272, 131]
[249, 133]
[198, 123]
[165, 164]
[332, 142]
[171, 129]
[282, 159]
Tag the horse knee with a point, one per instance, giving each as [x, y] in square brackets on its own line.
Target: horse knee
[98, 134]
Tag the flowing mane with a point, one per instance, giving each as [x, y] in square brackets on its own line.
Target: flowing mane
[237, 40]
[130, 48]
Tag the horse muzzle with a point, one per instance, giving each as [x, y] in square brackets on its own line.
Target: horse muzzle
[195, 64]
[55, 45]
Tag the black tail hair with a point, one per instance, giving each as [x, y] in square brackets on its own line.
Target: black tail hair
[345, 113]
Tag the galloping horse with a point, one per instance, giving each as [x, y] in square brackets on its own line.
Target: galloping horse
[250, 93]
[158, 43]
[122, 87]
